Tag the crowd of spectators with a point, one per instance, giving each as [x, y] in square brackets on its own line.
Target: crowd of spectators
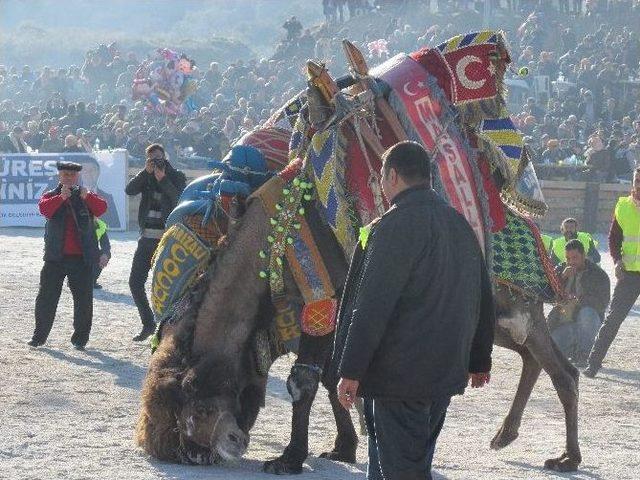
[581, 102]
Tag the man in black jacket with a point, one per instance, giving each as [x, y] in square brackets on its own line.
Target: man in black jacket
[416, 319]
[160, 185]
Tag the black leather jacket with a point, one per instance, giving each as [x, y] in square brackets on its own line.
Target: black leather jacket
[171, 186]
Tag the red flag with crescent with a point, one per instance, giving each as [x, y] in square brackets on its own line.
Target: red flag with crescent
[465, 74]
[474, 74]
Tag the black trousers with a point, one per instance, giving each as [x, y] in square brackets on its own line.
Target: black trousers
[402, 437]
[138, 277]
[52, 276]
[624, 296]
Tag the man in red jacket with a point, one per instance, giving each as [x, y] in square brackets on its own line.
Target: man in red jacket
[70, 250]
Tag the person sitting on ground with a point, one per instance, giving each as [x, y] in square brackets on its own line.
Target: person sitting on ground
[575, 323]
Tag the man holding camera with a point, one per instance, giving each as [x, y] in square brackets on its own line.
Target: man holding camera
[70, 250]
[160, 185]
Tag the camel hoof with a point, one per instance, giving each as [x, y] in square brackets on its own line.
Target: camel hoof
[503, 438]
[337, 456]
[280, 466]
[564, 463]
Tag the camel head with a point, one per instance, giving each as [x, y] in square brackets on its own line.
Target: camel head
[211, 408]
[211, 424]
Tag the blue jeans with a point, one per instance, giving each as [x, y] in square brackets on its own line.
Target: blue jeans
[402, 437]
[575, 339]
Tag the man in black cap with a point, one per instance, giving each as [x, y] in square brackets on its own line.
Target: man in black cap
[70, 250]
[160, 185]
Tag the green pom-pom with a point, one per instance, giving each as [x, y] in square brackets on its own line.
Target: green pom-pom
[292, 199]
[307, 197]
[297, 226]
[296, 182]
[279, 261]
[273, 221]
[262, 274]
[290, 240]
[278, 207]
[523, 71]
[286, 191]
[280, 228]
[274, 275]
[301, 211]
[262, 254]
[270, 239]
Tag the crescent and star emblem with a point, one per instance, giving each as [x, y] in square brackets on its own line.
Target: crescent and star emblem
[412, 93]
[461, 71]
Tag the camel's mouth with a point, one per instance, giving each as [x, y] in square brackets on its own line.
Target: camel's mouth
[230, 454]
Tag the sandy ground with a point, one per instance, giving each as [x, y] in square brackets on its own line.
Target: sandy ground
[68, 414]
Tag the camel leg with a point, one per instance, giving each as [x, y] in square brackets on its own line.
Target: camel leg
[302, 385]
[508, 432]
[346, 443]
[565, 380]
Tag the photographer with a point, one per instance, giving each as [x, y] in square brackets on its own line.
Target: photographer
[160, 185]
[70, 250]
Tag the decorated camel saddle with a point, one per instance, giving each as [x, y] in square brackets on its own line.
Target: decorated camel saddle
[314, 166]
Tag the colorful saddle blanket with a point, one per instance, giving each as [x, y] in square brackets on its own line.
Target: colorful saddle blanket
[520, 259]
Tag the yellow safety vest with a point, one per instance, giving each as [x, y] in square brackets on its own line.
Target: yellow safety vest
[546, 241]
[101, 228]
[561, 242]
[628, 217]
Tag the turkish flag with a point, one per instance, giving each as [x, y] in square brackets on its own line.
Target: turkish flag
[473, 73]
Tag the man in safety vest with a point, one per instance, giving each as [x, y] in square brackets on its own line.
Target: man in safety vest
[624, 247]
[569, 230]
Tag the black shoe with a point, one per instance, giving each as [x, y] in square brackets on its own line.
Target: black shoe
[35, 343]
[591, 371]
[97, 286]
[78, 346]
[144, 334]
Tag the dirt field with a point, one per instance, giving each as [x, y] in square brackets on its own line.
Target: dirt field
[68, 414]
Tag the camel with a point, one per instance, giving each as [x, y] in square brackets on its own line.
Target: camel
[213, 366]
[201, 395]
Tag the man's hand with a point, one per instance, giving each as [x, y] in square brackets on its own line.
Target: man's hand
[479, 380]
[347, 391]
[149, 165]
[619, 271]
[83, 193]
[159, 173]
[568, 272]
[103, 261]
[65, 192]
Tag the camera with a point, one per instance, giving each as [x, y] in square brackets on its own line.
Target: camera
[158, 163]
[75, 190]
